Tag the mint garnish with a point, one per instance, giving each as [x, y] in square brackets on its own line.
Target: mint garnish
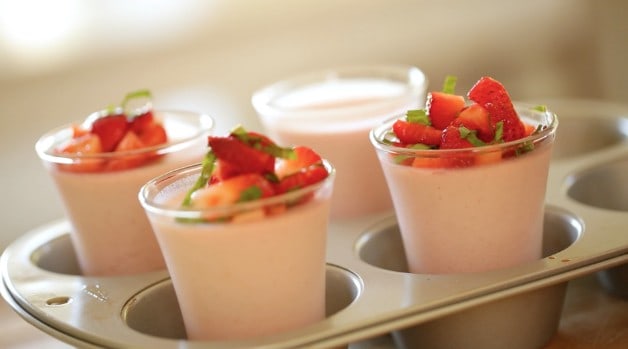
[449, 85]
[206, 173]
[418, 116]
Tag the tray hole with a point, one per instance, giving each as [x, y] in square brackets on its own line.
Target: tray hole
[57, 256]
[155, 311]
[56, 301]
[604, 186]
[578, 136]
[382, 246]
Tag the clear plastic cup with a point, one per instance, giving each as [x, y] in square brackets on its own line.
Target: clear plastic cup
[248, 275]
[333, 111]
[482, 210]
[110, 231]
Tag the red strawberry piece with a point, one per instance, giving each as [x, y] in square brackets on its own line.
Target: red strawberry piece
[129, 142]
[304, 157]
[223, 170]
[492, 95]
[443, 108]
[153, 134]
[110, 129]
[246, 187]
[475, 117]
[303, 178]
[413, 133]
[241, 156]
[453, 140]
[141, 122]
[84, 145]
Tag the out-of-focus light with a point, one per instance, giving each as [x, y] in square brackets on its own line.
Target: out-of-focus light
[38, 24]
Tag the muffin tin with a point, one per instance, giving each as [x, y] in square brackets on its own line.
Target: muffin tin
[371, 300]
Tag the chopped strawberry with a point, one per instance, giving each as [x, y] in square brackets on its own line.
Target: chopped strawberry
[304, 157]
[141, 122]
[246, 187]
[110, 129]
[241, 156]
[129, 142]
[443, 108]
[153, 134]
[223, 170]
[84, 145]
[413, 133]
[492, 95]
[303, 178]
[476, 117]
[453, 140]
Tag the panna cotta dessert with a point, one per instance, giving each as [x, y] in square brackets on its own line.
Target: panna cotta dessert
[98, 167]
[468, 178]
[244, 236]
[333, 111]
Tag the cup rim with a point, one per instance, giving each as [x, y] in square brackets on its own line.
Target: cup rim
[414, 79]
[150, 189]
[45, 145]
[376, 133]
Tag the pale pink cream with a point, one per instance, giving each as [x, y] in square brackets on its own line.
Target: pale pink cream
[111, 233]
[247, 278]
[334, 116]
[471, 219]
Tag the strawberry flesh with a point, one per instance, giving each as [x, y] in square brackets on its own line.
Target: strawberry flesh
[443, 108]
[413, 133]
[492, 95]
[110, 129]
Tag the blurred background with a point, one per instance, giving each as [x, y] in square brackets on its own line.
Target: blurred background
[60, 60]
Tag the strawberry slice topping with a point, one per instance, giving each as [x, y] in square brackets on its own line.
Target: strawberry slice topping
[414, 132]
[476, 117]
[246, 187]
[492, 95]
[240, 156]
[304, 158]
[301, 179]
[118, 132]
[443, 108]
[110, 129]
[447, 122]
[245, 166]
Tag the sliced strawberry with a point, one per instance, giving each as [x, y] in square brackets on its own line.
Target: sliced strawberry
[129, 142]
[83, 145]
[413, 133]
[303, 178]
[453, 140]
[492, 95]
[110, 129]
[141, 122]
[241, 156]
[443, 108]
[304, 157]
[246, 187]
[475, 117]
[153, 134]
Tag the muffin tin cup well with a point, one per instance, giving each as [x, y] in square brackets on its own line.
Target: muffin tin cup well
[370, 295]
[588, 175]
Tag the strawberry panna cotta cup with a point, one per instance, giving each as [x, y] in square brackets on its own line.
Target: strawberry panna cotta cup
[99, 165]
[244, 236]
[468, 180]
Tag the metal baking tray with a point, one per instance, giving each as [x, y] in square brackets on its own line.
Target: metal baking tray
[369, 293]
